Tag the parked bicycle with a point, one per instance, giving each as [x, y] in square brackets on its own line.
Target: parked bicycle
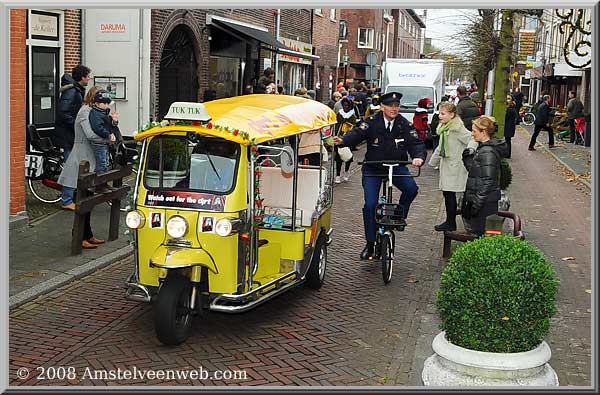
[389, 217]
[43, 167]
[527, 116]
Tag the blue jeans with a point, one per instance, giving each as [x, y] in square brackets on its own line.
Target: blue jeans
[101, 152]
[67, 195]
[371, 188]
[66, 153]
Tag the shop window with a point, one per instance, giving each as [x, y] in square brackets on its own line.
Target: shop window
[365, 37]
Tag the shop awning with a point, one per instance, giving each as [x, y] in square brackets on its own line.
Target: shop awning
[259, 35]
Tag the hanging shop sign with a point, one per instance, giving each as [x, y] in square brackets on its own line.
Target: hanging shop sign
[113, 27]
[297, 46]
[115, 86]
[43, 25]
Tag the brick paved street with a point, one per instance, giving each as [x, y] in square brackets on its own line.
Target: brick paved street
[354, 331]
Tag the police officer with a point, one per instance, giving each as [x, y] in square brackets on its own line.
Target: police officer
[389, 136]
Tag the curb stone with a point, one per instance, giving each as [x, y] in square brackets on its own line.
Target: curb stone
[65, 278]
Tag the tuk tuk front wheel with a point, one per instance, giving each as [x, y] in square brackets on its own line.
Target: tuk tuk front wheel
[316, 272]
[172, 314]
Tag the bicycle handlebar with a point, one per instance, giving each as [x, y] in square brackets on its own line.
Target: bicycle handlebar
[388, 162]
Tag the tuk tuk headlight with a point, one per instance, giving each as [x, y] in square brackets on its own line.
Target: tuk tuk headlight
[135, 219]
[177, 226]
[226, 226]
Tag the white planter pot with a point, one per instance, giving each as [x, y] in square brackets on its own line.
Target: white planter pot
[452, 365]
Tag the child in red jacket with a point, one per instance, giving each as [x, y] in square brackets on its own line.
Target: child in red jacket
[420, 119]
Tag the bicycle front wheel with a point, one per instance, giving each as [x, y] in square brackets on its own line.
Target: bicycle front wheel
[387, 257]
[529, 119]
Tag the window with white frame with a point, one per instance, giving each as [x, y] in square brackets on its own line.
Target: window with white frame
[319, 11]
[343, 30]
[332, 14]
[365, 37]
[381, 42]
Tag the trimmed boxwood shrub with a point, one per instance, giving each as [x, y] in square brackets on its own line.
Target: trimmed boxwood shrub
[497, 294]
[505, 174]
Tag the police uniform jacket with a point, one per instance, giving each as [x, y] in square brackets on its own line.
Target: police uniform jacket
[383, 145]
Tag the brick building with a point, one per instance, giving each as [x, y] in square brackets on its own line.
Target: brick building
[326, 27]
[385, 32]
[43, 45]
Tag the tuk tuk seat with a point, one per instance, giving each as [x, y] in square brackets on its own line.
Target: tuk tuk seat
[276, 190]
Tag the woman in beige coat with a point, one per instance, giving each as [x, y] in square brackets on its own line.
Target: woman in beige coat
[454, 138]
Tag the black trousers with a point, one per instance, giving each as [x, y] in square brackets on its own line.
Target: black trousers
[508, 145]
[87, 227]
[573, 132]
[450, 202]
[338, 163]
[536, 132]
[477, 222]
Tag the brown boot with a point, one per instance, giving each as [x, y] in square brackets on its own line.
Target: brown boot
[94, 240]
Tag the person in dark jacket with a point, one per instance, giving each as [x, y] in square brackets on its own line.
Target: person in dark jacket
[389, 136]
[517, 97]
[72, 92]
[510, 122]
[542, 122]
[102, 123]
[267, 78]
[466, 108]
[483, 164]
[574, 111]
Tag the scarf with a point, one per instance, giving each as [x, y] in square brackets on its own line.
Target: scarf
[443, 133]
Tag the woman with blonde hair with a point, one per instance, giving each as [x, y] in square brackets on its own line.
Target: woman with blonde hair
[483, 165]
[454, 138]
[82, 150]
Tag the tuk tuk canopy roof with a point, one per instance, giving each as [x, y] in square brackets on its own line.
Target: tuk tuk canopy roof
[255, 118]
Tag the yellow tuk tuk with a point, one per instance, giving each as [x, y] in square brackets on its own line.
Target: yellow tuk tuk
[224, 216]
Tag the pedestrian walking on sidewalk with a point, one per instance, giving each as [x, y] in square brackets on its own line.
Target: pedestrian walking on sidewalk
[542, 122]
[483, 165]
[454, 138]
[574, 111]
[510, 123]
[517, 97]
[82, 150]
[466, 108]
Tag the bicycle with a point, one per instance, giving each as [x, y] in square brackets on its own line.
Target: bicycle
[388, 216]
[42, 168]
[527, 116]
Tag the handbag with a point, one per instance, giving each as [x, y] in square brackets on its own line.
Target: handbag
[345, 154]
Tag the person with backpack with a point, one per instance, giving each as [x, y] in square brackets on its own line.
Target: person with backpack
[482, 191]
[454, 138]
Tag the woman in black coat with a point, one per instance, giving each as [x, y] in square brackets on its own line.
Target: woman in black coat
[510, 122]
[483, 164]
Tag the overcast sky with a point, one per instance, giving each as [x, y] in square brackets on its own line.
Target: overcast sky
[442, 26]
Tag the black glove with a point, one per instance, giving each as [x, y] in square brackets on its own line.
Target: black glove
[468, 152]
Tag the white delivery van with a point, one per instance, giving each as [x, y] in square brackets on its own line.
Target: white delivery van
[415, 79]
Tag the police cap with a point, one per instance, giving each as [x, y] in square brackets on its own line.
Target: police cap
[390, 98]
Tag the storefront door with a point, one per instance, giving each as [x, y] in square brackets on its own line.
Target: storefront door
[44, 83]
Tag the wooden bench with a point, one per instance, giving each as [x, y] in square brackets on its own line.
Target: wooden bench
[464, 236]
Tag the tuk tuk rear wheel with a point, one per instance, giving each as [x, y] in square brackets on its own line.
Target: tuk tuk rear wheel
[318, 264]
[172, 314]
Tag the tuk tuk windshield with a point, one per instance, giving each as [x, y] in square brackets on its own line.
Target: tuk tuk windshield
[206, 164]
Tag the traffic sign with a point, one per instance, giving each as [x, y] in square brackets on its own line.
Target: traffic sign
[372, 58]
